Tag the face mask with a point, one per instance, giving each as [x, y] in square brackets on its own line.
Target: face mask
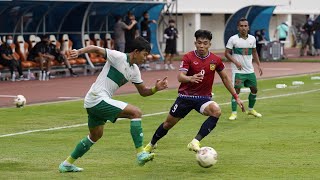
[9, 41]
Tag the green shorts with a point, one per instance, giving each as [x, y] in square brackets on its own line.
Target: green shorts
[106, 110]
[244, 80]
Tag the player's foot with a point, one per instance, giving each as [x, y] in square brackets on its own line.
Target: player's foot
[194, 145]
[233, 116]
[144, 157]
[254, 113]
[150, 148]
[72, 168]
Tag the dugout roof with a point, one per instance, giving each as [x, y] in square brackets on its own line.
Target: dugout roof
[72, 18]
[257, 16]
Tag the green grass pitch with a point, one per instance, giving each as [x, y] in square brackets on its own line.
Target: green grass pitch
[283, 144]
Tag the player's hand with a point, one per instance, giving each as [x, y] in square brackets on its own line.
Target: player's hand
[239, 66]
[196, 78]
[162, 84]
[133, 21]
[74, 53]
[240, 104]
[260, 70]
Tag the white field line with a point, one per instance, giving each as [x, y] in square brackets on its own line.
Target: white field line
[63, 97]
[8, 96]
[147, 115]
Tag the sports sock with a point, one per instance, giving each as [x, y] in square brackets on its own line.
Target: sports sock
[83, 146]
[233, 104]
[136, 133]
[252, 100]
[160, 132]
[207, 126]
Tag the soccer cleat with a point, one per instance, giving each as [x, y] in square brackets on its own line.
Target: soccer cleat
[150, 148]
[254, 113]
[194, 145]
[72, 168]
[233, 116]
[144, 157]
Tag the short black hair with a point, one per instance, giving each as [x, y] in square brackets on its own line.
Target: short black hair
[171, 21]
[44, 36]
[140, 44]
[241, 20]
[205, 34]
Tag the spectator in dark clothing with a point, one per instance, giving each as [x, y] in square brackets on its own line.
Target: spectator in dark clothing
[8, 59]
[144, 26]
[171, 35]
[259, 39]
[307, 32]
[61, 58]
[40, 53]
[119, 33]
[145, 32]
[130, 34]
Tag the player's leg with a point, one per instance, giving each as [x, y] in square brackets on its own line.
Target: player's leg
[98, 115]
[135, 115]
[207, 108]
[237, 83]
[251, 82]
[178, 110]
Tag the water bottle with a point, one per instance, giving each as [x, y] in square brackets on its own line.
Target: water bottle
[13, 77]
[40, 75]
[281, 86]
[29, 74]
[315, 78]
[297, 83]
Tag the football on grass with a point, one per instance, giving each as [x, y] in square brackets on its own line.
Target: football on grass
[207, 157]
[19, 101]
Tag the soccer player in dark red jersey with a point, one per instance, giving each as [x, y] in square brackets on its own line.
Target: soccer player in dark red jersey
[196, 75]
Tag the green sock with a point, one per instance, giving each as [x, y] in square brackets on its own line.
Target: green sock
[83, 146]
[252, 100]
[233, 105]
[136, 133]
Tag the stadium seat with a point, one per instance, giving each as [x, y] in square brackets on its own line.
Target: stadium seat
[66, 46]
[93, 56]
[109, 42]
[98, 41]
[23, 50]
[32, 41]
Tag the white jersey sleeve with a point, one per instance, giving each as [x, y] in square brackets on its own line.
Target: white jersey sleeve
[136, 75]
[230, 43]
[114, 56]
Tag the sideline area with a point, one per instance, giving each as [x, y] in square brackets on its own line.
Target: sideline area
[50, 91]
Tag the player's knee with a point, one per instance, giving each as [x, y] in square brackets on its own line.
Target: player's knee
[136, 113]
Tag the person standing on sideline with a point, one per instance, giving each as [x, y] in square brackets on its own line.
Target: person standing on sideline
[145, 32]
[171, 35]
[119, 33]
[118, 70]
[130, 34]
[8, 59]
[196, 75]
[281, 33]
[240, 50]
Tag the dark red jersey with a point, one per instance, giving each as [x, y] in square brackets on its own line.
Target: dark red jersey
[193, 64]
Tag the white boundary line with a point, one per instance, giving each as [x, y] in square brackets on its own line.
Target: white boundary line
[147, 115]
[8, 96]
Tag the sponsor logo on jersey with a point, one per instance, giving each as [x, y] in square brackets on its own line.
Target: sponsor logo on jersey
[212, 67]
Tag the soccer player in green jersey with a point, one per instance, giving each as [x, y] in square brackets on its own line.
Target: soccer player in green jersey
[241, 50]
[118, 70]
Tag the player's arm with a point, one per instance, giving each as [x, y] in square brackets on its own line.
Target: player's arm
[227, 83]
[148, 91]
[184, 78]
[227, 54]
[89, 49]
[256, 59]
